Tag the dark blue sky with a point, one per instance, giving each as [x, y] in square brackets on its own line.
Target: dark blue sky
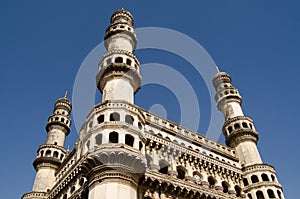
[43, 44]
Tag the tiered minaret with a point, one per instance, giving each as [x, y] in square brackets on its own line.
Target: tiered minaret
[119, 77]
[113, 137]
[51, 154]
[259, 179]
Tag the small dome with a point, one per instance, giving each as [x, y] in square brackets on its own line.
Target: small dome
[122, 16]
[64, 102]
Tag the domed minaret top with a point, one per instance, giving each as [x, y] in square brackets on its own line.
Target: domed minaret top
[121, 22]
[122, 16]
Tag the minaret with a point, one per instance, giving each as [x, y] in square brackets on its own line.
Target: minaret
[113, 137]
[51, 154]
[259, 179]
[119, 76]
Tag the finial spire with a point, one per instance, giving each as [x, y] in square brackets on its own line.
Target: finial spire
[66, 95]
[217, 69]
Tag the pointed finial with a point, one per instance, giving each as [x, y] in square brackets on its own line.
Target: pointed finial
[66, 95]
[217, 69]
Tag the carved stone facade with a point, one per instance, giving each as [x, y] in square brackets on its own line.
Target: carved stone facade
[124, 151]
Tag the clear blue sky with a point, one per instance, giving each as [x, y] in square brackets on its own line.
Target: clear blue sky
[43, 44]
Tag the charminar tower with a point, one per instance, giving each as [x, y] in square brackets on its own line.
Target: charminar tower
[124, 151]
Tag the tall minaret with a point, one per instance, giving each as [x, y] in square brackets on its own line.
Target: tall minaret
[259, 179]
[51, 154]
[113, 135]
[119, 76]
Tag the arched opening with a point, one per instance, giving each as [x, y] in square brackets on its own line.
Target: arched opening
[254, 179]
[114, 117]
[197, 177]
[245, 181]
[55, 154]
[260, 195]
[271, 193]
[237, 126]
[113, 137]
[181, 172]
[238, 191]
[273, 177]
[129, 140]
[244, 124]
[48, 153]
[100, 119]
[88, 145]
[163, 165]
[225, 186]
[62, 119]
[140, 126]
[212, 181]
[140, 145]
[65, 196]
[230, 129]
[279, 194]
[129, 119]
[98, 139]
[42, 153]
[119, 60]
[72, 189]
[249, 196]
[264, 177]
[128, 62]
[108, 61]
[81, 182]
[62, 156]
[91, 124]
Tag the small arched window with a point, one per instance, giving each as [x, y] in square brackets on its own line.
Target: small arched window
[48, 153]
[55, 154]
[114, 116]
[62, 156]
[140, 126]
[238, 191]
[244, 124]
[100, 119]
[245, 181]
[113, 137]
[237, 126]
[230, 129]
[62, 119]
[249, 196]
[254, 179]
[181, 172]
[197, 178]
[260, 195]
[81, 182]
[273, 177]
[42, 153]
[163, 165]
[128, 62]
[271, 193]
[279, 194]
[225, 186]
[129, 119]
[108, 61]
[212, 181]
[129, 140]
[98, 139]
[140, 145]
[72, 189]
[119, 60]
[264, 177]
